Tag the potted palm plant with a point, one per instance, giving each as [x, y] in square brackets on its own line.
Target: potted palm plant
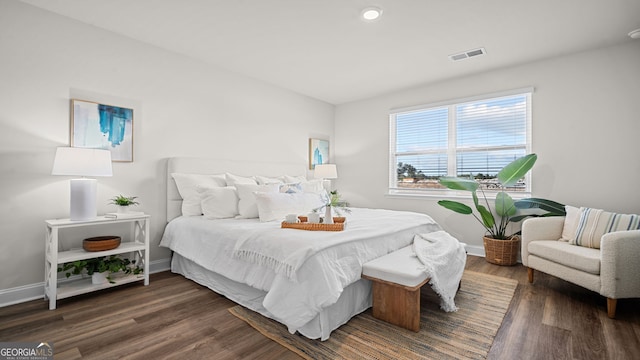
[500, 247]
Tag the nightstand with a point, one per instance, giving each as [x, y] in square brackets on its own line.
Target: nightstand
[137, 244]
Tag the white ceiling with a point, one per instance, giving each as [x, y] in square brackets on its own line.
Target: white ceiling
[320, 48]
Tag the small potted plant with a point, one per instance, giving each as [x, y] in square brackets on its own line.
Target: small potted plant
[333, 201]
[101, 268]
[123, 202]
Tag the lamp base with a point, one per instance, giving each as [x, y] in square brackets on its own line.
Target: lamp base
[83, 199]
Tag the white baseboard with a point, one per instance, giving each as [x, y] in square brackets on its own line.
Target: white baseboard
[475, 250]
[479, 251]
[30, 292]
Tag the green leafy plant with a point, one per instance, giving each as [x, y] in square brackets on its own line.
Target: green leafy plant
[505, 210]
[335, 201]
[122, 200]
[112, 264]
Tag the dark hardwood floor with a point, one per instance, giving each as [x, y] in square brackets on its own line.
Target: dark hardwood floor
[174, 318]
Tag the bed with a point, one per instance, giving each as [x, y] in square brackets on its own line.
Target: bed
[307, 280]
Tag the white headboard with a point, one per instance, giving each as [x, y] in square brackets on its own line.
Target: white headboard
[219, 166]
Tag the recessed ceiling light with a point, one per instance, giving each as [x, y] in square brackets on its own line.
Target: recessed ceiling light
[635, 34]
[371, 13]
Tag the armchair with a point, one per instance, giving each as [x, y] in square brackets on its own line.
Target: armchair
[613, 270]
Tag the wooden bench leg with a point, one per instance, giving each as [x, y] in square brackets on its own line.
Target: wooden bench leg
[397, 305]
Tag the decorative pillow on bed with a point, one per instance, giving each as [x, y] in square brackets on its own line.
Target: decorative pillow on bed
[264, 180]
[313, 186]
[294, 179]
[187, 187]
[247, 208]
[274, 206]
[219, 203]
[233, 180]
[594, 223]
[291, 188]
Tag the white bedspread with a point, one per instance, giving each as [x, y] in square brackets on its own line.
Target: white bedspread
[317, 265]
[285, 250]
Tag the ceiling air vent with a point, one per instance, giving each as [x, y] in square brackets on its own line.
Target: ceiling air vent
[468, 54]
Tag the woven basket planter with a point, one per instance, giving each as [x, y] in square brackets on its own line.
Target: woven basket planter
[502, 252]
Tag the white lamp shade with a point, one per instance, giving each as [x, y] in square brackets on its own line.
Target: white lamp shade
[326, 171]
[82, 162]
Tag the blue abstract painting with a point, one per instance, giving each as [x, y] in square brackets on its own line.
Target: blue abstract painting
[318, 152]
[100, 126]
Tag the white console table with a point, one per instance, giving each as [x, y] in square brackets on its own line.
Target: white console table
[137, 244]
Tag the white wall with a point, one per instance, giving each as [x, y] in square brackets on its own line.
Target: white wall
[586, 129]
[585, 110]
[182, 107]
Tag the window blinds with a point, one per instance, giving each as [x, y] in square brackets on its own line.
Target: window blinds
[490, 134]
[476, 137]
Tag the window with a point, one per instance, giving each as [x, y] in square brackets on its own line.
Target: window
[467, 138]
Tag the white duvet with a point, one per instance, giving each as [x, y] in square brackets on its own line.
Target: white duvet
[307, 270]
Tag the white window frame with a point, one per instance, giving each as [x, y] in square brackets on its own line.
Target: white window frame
[452, 146]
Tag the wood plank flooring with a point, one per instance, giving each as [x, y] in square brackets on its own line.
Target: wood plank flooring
[174, 318]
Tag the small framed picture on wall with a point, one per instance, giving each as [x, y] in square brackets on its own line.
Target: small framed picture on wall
[318, 152]
[100, 126]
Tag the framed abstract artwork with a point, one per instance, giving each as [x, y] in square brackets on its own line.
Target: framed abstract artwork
[318, 152]
[100, 126]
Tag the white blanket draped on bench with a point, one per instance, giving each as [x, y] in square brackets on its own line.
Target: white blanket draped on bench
[444, 259]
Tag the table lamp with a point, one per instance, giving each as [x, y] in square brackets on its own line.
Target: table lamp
[82, 162]
[326, 171]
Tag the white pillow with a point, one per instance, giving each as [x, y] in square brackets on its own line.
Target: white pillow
[233, 180]
[294, 179]
[219, 203]
[274, 206]
[313, 186]
[263, 180]
[187, 187]
[247, 208]
[291, 188]
[570, 223]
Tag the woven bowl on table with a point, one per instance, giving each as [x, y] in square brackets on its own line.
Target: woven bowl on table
[101, 243]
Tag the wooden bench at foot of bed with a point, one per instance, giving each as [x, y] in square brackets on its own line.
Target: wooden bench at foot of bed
[397, 278]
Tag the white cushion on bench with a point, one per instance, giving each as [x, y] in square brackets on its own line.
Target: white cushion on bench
[400, 267]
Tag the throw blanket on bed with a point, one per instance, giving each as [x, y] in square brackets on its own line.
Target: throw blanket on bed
[286, 250]
[444, 259]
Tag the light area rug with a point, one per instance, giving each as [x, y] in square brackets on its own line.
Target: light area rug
[483, 301]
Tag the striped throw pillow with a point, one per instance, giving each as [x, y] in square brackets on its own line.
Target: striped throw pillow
[594, 223]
